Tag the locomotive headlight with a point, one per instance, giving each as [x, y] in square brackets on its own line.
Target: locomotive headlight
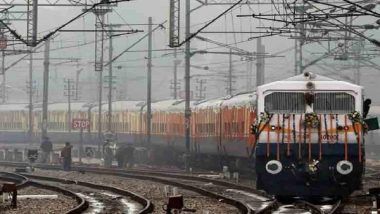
[310, 85]
[344, 167]
[273, 167]
[274, 128]
[309, 75]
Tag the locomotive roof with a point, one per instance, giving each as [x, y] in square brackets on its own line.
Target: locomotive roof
[13, 107]
[299, 83]
[301, 77]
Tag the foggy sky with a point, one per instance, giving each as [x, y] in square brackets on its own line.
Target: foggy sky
[130, 69]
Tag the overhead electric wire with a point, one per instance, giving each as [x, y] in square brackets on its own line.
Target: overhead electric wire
[122, 18]
[337, 6]
[209, 23]
[50, 34]
[350, 29]
[135, 43]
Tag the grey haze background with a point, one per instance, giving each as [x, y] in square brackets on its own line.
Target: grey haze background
[130, 69]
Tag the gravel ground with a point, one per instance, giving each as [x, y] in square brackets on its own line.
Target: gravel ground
[39, 206]
[372, 163]
[151, 190]
[363, 204]
[102, 201]
[370, 181]
[357, 205]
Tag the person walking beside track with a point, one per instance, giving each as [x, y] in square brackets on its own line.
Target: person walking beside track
[129, 151]
[107, 153]
[66, 155]
[47, 148]
[120, 157]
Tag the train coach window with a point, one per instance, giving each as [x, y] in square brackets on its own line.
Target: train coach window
[154, 127]
[339, 102]
[126, 126]
[211, 127]
[285, 102]
[162, 128]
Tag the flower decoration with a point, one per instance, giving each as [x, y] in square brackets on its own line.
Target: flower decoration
[264, 117]
[311, 120]
[356, 117]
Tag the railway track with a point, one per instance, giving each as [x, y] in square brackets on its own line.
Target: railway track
[335, 208]
[245, 198]
[93, 198]
[256, 201]
[229, 193]
[371, 182]
[372, 173]
[102, 198]
[23, 182]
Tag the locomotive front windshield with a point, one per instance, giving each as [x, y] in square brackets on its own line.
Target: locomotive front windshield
[323, 102]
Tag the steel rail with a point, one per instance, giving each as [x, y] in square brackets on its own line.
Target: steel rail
[25, 181]
[160, 178]
[241, 206]
[116, 172]
[21, 181]
[147, 205]
[336, 207]
[309, 206]
[82, 203]
[167, 178]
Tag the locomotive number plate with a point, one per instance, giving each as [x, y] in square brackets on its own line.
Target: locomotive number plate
[328, 137]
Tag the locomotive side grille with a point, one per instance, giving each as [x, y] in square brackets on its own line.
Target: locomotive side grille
[285, 102]
[338, 103]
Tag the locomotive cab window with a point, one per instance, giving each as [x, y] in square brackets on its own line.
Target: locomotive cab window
[338, 103]
[285, 102]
